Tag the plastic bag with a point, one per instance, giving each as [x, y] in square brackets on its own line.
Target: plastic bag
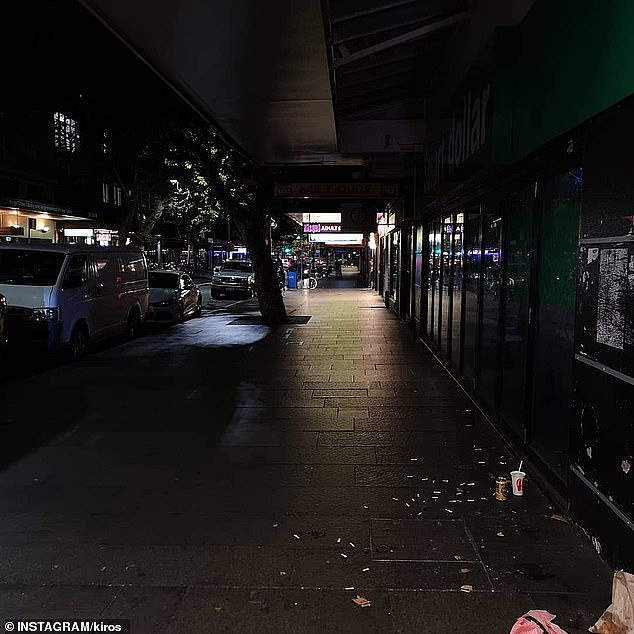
[619, 617]
[537, 622]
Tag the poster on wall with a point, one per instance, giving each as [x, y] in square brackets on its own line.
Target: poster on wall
[605, 323]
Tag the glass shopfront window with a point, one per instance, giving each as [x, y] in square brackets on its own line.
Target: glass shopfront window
[418, 272]
[472, 262]
[434, 285]
[446, 273]
[501, 291]
[456, 317]
[489, 329]
[555, 319]
[394, 265]
[517, 281]
[429, 320]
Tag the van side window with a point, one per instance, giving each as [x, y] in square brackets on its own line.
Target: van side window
[133, 268]
[107, 272]
[76, 272]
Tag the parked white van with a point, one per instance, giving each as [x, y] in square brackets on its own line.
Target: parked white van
[63, 297]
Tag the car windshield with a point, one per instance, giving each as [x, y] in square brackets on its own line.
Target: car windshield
[29, 268]
[240, 267]
[162, 280]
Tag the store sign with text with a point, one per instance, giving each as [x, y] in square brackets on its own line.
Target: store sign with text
[463, 140]
[311, 227]
[336, 190]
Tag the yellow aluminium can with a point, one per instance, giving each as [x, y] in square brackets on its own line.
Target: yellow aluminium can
[500, 489]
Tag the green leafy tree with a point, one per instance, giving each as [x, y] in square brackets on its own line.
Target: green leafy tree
[235, 189]
[187, 175]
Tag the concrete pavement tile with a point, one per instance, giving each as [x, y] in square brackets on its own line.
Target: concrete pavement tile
[333, 475]
[280, 612]
[36, 601]
[576, 613]
[457, 613]
[354, 439]
[148, 609]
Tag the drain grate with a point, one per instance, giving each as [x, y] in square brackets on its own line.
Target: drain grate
[299, 319]
[256, 320]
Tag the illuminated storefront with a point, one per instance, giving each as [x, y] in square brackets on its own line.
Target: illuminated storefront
[50, 225]
[20, 225]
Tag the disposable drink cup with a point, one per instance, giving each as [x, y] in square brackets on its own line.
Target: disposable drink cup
[517, 479]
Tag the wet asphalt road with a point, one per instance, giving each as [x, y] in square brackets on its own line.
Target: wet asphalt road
[219, 477]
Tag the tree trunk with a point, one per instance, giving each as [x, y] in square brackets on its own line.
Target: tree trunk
[266, 280]
[128, 222]
[151, 221]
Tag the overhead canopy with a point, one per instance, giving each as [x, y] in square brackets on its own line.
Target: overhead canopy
[267, 73]
[258, 69]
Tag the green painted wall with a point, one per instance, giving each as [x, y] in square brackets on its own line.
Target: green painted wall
[567, 61]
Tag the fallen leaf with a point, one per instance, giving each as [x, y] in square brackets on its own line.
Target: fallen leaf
[500, 534]
[466, 588]
[464, 571]
[362, 602]
[560, 518]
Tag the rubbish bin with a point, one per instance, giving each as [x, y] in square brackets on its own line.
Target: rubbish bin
[292, 279]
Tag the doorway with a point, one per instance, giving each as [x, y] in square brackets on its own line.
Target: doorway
[554, 294]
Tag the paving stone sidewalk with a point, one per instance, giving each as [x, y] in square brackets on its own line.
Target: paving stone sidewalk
[262, 486]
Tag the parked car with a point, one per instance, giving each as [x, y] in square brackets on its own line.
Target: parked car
[235, 278]
[64, 297]
[173, 296]
[3, 326]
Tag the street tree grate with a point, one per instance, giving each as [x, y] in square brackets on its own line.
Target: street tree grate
[256, 320]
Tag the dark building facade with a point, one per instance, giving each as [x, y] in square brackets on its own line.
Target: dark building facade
[518, 268]
[77, 94]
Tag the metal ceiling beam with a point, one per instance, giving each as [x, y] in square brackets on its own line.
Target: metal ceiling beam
[383, 29]
[402, 39]
[401, 17]
[346, 72]
[379, 9]
[368, 79]
[378, 108]
[364, 98]
[360, 91]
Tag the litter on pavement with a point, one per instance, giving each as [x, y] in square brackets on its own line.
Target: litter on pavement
[537, 622]
[362, 602]
[619, 617]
